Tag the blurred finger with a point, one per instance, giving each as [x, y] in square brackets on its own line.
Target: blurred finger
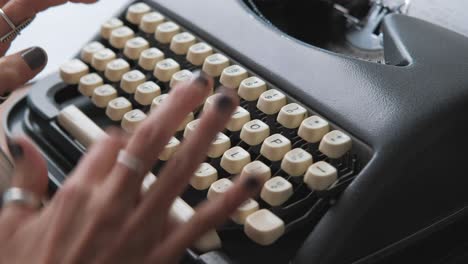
[209, 215]
[19, 68]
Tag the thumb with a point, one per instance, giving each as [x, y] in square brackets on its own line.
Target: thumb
[19, 68]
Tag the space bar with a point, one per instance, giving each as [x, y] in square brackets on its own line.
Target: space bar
[85, 131]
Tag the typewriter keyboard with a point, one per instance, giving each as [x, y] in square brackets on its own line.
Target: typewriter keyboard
[305, 159]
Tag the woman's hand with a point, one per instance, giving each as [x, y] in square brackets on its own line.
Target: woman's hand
[19, 68]
[100, 215]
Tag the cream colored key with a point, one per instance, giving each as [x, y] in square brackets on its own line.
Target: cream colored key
[258, 169]
[120, 36]
[296, 162]
[158, 101]
[170, 149]
[219, 146]
[102, 58]
[335, 144]
[320, 176]
[247, 208]
[117, 108]
[254, 132]
[264, 227]
[181, 43]
[131, 80]
[102, 95]
[197, 53]
[190, 117]
[109, 26]
[234, 160]
[190, 127]
[251, 88]
[166, 31]
[215, 64]
[88, 51]
[136, 11]
[210, 101]
[204, 176]
[218, 188]
[116, 69]
[149, 58]
[276, 191]
[146, 92]
[238, 119]
[271, 101]
[88, 83]
[291, 115]
[132, 119]
[134, 47]
[275, 147]
[150, 21]
[313, 129]
[72, 71]
[232, 76]
[180, 77]
[165, 69]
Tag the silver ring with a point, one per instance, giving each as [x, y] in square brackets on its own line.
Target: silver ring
[131, 162]
[20, 196]
[15, 30]
[7, 19]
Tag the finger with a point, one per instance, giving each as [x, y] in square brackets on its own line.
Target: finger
[209, 215]
[19, 68]
[30, 175]
[174, 177]
[152, 136]
[100, 159]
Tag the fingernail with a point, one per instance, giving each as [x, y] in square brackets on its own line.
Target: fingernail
[224, 103]
[35, 57]
[202, 78]
[252, 183]
[16, 150]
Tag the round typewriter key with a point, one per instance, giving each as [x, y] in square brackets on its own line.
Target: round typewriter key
[238, 119]
[313, 129]
[116, 69]
[247, 208]
[291, 115]
[233, 75]
[296, 162]
[136, 11]
[88, 51]
[234, 160]
[271, 101]
[264, 227]
[204, 176]
[254, 132]
[132, 119]
[215, 64]
[72, 71]
[320, 176]
[88, 83]
[181, 43]
[257, 168]
[146, 92]
[166, 31]
[251, 88]
[180, 77]
[275, 147]
[219, 146]
[149, 58]
[150, 21]
[198, 53]
[120, 36]
[131, 80]
[102, 95]
[158, 101]
[190, 127]
[165, 69]
[102, 58]
[218, 188]
[109, 26]
[170, 149]
[134, 47]
[117, 108]
[335, 144]
[276, 191]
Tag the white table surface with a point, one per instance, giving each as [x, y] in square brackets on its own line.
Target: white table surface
[63, 30]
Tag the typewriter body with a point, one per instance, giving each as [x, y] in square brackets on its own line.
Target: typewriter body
[394, 137]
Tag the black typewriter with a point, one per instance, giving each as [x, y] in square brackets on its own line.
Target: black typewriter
[354, 112]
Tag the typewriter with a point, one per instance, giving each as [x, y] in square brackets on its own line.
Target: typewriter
[360, 132]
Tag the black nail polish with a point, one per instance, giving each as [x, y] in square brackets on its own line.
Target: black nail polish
[16, 150]
[202, 78]
[224, 103]
[252, 183]
[35, 57]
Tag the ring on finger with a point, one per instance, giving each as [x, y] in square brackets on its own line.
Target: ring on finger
[21, 196]
[131, 162]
